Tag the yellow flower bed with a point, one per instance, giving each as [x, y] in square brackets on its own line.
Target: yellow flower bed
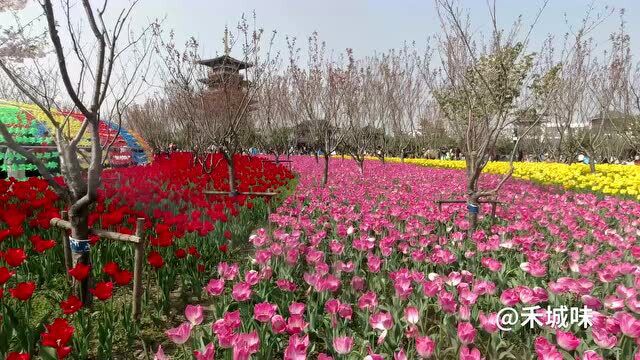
[609, 178]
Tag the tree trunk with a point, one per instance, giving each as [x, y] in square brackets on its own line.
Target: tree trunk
[402, 156]
[325, 173]
[592, 165]
[473, 208]
[361, 166]
[277, 158]
[315, 154]
[79, 219]
[231, 166]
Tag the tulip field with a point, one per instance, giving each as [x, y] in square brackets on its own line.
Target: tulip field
[367, 267]
[370, 268]
[187, 233]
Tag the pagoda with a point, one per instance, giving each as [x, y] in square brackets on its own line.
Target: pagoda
[225, 70]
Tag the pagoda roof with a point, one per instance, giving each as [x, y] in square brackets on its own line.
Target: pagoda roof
[225, 60]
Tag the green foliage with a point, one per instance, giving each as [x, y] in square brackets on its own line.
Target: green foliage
[489, 88]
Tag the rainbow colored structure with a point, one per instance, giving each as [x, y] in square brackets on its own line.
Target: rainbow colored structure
[30, 127]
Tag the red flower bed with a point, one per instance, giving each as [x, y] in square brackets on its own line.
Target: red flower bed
[180, 222]
[168, 193]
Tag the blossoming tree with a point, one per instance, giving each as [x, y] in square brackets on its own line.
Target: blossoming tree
[93, 82]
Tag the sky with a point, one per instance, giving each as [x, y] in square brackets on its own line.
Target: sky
[368, 26]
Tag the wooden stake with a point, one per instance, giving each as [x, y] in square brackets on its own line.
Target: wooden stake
[137, 271]
[65, 244]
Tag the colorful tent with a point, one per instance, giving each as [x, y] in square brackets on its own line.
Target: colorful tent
[30, 127]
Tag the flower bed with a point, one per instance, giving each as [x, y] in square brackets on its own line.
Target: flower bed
[370, 268]
[188, 234]
[609, 179]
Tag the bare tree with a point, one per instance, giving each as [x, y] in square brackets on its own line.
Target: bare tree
[275, 116]
[99, 80]
[319, 97]
[478, 90]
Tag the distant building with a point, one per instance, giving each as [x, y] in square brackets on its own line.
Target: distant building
[614, 122]
[225, 70]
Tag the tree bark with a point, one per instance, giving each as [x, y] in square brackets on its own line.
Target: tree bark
[79, 219]
[231, 166]
[325, 173]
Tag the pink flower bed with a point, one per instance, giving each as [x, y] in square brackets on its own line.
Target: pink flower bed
[370, 268]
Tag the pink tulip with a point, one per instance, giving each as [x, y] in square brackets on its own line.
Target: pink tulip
[159, 355]
[296, 308]
[425, 346]
[603, 339]
[252, 277]
[591, 355]
[411, 315]
[466, 332]
[263, 312]
[194, 314]
[381, 321]
[447, 302]
[400, 355]
[297, 348]
[323, 356]
[629, 325]
[343, 344]
[207, 354]
[180, 334]
[357, 283]
[245, 345]
[278, 324]
[591, 302]
[491, 264]
[464, 312]
[469, 353]
[241, 291]
[296, 324]
[215, 287]
[373, 263]
[368, 301]
[332, 306]
[567, 340]
[345, 311]
[489, 323]
[546, 350]
[509, 297]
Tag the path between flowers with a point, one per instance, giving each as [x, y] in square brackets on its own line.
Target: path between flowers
[370, 267]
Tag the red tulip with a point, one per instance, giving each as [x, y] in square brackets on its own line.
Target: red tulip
[70, 305]
[155, 259]
[15, 257]
[23, 290]
[103, 290]
[223, 248]
[180, 253]
[227, 234]
[194, 252]
[57, 336]
[5, 275]
[80, 271]
[123, 277]
[18, 356]
[111, 268]
[41, 245]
